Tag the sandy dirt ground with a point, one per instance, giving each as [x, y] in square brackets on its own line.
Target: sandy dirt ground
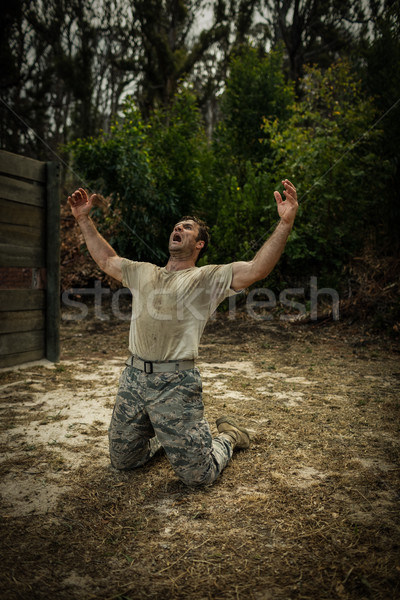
[310, 511]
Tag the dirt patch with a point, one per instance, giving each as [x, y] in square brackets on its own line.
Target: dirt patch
[311, 511]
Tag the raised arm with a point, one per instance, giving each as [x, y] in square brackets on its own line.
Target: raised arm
[100, 250]
[247, 272]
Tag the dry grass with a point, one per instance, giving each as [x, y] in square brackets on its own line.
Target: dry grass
[311, 511]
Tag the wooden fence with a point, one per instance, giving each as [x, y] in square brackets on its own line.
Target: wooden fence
[29, 260]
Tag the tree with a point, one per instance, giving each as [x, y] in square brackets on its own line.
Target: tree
[181, 157]
[379, 63]
[315, 31]
[255, 90]
[329, 149]
[56, 83]
[153, 173]
[173, 48]
[333, 154]
[66, 66]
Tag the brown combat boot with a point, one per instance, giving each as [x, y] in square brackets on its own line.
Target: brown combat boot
[238, 436]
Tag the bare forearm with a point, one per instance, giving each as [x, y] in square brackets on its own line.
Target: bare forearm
[247, 273]
[100, 250]
[271, 251]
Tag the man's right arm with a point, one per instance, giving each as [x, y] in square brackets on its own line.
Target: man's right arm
[100, 250]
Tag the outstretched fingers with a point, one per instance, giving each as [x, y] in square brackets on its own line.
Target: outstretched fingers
[289, 191]
[78, 198]
[287, 207]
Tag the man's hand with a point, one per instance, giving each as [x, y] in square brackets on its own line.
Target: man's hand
[80, 203]
[100, 250]
[247, 273]
[287, 208]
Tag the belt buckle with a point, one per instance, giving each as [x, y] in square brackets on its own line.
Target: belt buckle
[148, 367]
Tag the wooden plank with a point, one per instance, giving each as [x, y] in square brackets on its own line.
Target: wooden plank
[53, 262]
[12, 300]
[23, 192]
[12, 360]
[21, 246]
[19, 256]
[21, 214]
[12, 343]
[21, 235]
[21, 166]
[21, 320]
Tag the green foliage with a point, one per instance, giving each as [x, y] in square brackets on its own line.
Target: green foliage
[117, 165]
[255, 90]
[153, 172]
[379, 67]
[180, 157]
[244, 217]
[245, 207]
[328, 149]
[325, 145]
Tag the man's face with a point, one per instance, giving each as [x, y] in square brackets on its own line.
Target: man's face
[184, 237]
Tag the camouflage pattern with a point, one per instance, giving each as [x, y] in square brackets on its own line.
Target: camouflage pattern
[166, 410]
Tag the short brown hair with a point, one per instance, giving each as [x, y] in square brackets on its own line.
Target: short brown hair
[204, 232]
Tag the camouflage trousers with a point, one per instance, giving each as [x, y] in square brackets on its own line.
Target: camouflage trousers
[165, 410]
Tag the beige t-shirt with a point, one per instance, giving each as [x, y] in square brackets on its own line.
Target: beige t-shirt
[170, 308]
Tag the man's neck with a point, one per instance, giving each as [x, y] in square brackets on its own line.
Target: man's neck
[179, 263]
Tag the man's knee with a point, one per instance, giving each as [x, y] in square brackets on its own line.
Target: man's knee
[196, 477]
[126, 455]
[124, 461]
[128, 461]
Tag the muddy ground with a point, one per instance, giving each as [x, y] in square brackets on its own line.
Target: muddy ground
[311, 511]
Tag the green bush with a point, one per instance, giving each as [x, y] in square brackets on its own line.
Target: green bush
[329, 151]
[255, 90]
[180, 157]
[325, 145]
[154, 172]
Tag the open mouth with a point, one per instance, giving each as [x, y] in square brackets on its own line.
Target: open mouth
[176, 238]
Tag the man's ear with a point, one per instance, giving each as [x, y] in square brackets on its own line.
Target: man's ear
[200, 244]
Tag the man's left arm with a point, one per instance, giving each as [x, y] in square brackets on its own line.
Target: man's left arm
[245, 273]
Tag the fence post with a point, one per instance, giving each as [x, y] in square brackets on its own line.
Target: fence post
[53, 261]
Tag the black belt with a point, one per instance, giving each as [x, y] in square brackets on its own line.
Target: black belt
[168, 366]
